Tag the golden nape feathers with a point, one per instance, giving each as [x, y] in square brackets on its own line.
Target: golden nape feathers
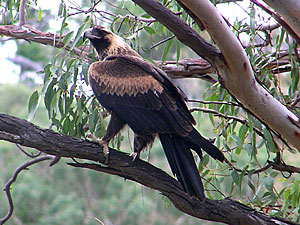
[107, 43]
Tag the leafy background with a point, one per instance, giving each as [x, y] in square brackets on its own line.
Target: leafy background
[58, 96]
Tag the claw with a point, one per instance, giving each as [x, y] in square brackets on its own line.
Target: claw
[103, 144]
[90, 136]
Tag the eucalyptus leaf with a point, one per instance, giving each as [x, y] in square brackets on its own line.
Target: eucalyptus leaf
[166, 50]
[33, 104]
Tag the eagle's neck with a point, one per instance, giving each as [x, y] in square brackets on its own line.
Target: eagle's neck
[117, 47]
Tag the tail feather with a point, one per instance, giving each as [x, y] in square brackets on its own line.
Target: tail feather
[198, 142]
[182, 163]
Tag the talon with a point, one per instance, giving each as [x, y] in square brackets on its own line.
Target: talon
[103, 144]
[135, 156]
[90, 136]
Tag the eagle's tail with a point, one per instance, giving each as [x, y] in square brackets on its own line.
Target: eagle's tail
[197, 142]
[180, 158]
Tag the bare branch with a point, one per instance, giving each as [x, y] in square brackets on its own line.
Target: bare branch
[229, 117]
[7, 186]
[161, 42]
[188, 68]
[27, 154]
[214, 102]
[29, 33]
[79, 10]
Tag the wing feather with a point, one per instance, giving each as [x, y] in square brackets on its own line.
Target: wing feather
[141, 95]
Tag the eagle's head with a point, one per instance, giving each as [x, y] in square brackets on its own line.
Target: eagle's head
[107, 43]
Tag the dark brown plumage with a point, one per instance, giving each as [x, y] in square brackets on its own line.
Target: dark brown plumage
[141, 95]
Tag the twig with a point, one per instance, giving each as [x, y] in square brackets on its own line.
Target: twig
[7, 186]
[276, 164]
[217, 113]
[267, 166]
[214, 186]
[83, 11]
[213, 102]
[267, 27]
[296, 101]
[22, 13]
[161, 42]
[284, 168]
[27, 154]
[279, 20]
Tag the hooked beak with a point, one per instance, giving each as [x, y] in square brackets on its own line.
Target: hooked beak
[88, 34]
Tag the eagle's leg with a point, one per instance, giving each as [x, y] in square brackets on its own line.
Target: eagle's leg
[116, 123]
[140, 142]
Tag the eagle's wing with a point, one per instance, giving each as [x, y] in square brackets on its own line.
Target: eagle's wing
[141, 95]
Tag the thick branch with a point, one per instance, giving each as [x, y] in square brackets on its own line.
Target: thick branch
[227, 211]
[188, 68]
[238, 77]
[183, 32]
[233, 65]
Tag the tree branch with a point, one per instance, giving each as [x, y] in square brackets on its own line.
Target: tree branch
[22, 12]
[187, 68]
[279, 20]
[180, 29]
[29, 33]
[232, 65]
[7, 186]
[289, 10]
[228, 117]
[227, 211]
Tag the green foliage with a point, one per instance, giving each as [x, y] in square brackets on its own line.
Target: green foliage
[61, 194]
[33, 104]
[73, 110]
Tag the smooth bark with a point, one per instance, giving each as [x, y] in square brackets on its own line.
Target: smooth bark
[289, 10]
[231, 64]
